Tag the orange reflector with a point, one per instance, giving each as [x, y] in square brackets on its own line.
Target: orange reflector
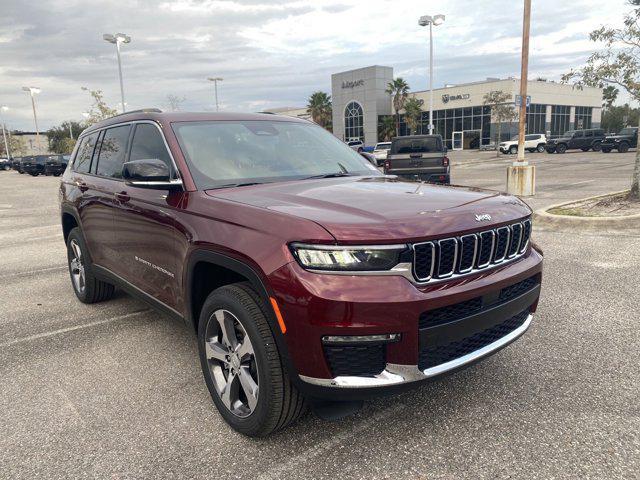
[276, 309]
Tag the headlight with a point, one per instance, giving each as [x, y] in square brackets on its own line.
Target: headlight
[347, 258]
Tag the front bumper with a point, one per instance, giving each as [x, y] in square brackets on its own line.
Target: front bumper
[316, 305]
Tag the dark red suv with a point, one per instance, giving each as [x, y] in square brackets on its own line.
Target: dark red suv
[307, 274]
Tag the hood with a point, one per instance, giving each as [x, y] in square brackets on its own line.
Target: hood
[381, 209]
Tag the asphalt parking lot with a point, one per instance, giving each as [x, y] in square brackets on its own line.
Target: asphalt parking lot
[115, 390]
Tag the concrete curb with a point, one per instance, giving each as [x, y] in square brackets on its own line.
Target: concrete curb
[542, 218]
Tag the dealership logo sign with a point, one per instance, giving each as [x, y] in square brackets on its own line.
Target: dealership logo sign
[352, 84]
[446, 98]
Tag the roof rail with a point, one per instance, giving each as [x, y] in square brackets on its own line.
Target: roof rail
[142, 110]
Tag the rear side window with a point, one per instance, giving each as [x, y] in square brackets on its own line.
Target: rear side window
[578, 134]
[532, 137]
[416, 145]
[148, 144]
[82, 162]
[588, 133]
[112, 151]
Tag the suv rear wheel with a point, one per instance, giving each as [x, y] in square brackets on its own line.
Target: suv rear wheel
[540, 148]
[86, 286]
[596, 146]
[623, 147]
[513, 149]
[241, 363]
[561, 148]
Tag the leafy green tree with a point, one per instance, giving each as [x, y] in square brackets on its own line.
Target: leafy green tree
[59, 139]
[399, 90]
[16, 146]
[616, 63]
[617, 117]
[413, 114]
[386, 128]
[99, 109]
[319, 107]
[609, 96]
[502, 110]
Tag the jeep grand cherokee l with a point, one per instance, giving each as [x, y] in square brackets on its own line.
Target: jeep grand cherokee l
[306, 274]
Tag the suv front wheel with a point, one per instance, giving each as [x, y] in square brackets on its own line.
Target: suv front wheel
[86, 286]
[241, 363]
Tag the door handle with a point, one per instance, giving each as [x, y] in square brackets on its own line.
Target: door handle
[81, 185]
[122, 196]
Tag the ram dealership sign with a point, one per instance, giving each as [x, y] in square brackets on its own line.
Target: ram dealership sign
[352, 84]
[446, 98]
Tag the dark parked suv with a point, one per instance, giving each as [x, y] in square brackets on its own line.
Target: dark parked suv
[418, 158]
[308, 276]
[55, 165]
[623, 141]
[33, 165]
[584, 140]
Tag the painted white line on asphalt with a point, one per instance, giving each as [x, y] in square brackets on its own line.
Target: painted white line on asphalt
[71, 329]
[299, 461]
[580, 183]
[33, 272]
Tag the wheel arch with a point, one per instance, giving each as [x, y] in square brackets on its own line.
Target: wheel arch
[202, 262]
[69, 220]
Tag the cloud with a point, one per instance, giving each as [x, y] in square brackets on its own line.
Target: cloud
[270, 53]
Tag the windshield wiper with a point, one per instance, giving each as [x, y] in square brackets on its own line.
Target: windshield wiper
[329, 175]
[230, 185]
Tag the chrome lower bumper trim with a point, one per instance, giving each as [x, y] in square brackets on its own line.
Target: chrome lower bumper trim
[395, 374]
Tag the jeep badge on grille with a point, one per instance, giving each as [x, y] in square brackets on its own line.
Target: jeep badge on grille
[485, 217]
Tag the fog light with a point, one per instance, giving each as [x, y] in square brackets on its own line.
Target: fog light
[359, 339]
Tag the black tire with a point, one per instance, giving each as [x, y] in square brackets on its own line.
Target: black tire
[551, 150]
[623, 147]
[561, 148]
[34, 174]
[540, 148]
[606, 150]
[513, 149]
[359, 149]
[278, 403]
[94, 290]
[585, 149]
[596, 146]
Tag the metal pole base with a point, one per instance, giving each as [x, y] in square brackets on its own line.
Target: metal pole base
[521, 180]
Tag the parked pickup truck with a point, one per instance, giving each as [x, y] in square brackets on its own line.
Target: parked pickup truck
[627, 138]
[419, 157]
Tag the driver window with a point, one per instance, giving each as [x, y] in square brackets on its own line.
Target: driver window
[148, 143]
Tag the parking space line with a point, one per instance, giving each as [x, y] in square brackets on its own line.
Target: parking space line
[304, 457]
[72, 329]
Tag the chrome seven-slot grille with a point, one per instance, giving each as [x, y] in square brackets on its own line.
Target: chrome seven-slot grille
[440, 259]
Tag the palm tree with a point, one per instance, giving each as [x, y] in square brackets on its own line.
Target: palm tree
[319, 107]
[399, 89]
[413, 114]
[609, 96]
[386, 128]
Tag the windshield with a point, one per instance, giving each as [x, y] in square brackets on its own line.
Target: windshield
[569, 133]
[228, 153]
[417, 145]
[627, 131]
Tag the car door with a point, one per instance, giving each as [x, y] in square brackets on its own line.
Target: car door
[104, 180]
[577, 140]
[144, 224]
[587, 142]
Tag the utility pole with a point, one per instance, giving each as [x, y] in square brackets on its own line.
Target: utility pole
[423, 22]
[521, 177]
[4, 133]
[70, 131]
[215, 81]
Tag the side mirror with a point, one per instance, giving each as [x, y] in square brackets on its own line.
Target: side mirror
[149, 173]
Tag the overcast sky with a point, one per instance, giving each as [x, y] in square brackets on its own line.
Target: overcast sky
[270, 53]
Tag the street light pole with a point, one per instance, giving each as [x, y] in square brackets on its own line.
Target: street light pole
[215, 81]
[70, 131]
[521, 177]
[118, 39]
[7, 149]
[431, 21]
[31, 91]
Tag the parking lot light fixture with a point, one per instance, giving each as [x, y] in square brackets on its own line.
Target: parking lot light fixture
[117, 40]
[215, 81]
[430, 21]
[34, 91]
[7, 149]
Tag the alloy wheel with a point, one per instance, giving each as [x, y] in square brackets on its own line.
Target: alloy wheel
[232, 363]
[76, 265]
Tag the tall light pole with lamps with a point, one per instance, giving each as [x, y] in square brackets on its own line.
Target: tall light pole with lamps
[7, 149]
[32, 91]
[431, 20]
[117, 40]
[215, 81]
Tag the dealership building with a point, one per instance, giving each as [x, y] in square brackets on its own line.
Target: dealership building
[360, 102]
